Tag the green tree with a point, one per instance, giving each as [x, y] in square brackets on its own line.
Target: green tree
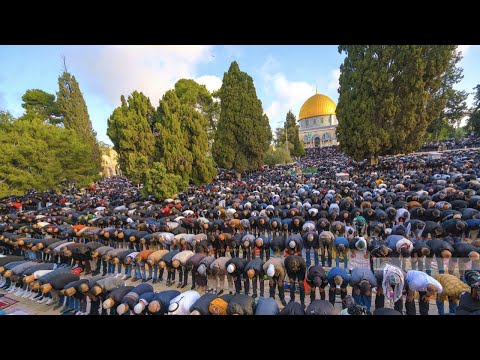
[389, 94]
[278, 155]
[39, 155]
[450, 117]
[40, 104]
[160, 183]
[196, 114]
[130, 130]
[455, 107]
[457, 133]
[279, 139]
[243, 131]
[473, 123]
[72, 106]
[292, 129]
[192, 93]
[6, 118]
[173, 141]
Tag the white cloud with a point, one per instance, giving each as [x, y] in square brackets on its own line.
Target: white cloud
[268, 67]
[287, 94]
[334, 77]
[212, 82]
[464, 49]
[116, 70]
[273, 111]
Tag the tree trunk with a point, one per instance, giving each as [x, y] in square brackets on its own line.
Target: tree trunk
[372, 161]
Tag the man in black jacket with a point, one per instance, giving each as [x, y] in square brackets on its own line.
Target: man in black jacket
[418, 254]
[470, 303]
[296, 270]
[166, 262]
[317, 278]
[236, 267]
[442, 250]
[254, 271]
[463, 252]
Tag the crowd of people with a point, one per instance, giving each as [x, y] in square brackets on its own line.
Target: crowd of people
[469, 142]
[385, 240]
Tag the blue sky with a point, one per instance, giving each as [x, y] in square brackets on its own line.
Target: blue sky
[284, 76]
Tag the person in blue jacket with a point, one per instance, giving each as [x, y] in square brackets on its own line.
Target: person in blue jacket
[341, 248]
[337, 279]
[472, 226]
[363, 280]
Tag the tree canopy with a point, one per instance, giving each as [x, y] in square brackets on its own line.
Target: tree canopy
[40, 156]
[42, 105]
[71, 105]
[474, 120]
[243, 131]
[191, 93]
[455, 107]
[160, 183]
[389, 94]
[130, 130]
[295, 146]
[278, 155]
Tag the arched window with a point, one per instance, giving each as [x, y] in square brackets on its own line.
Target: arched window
[326, 136]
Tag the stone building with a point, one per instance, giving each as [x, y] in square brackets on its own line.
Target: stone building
[318, 122]
[110, 164]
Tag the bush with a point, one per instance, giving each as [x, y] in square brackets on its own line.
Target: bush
[280, 155]
[161, 184]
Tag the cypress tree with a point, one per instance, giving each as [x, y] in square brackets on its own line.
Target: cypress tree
[243, 132]
[294, 144]
[130, 130]
[173, 141]
[196, 109]
[389, 94]
[71, 105]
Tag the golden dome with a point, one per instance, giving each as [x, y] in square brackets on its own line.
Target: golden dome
[317, 105]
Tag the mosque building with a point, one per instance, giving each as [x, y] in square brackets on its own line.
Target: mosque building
[318, 122]
[110, 164]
